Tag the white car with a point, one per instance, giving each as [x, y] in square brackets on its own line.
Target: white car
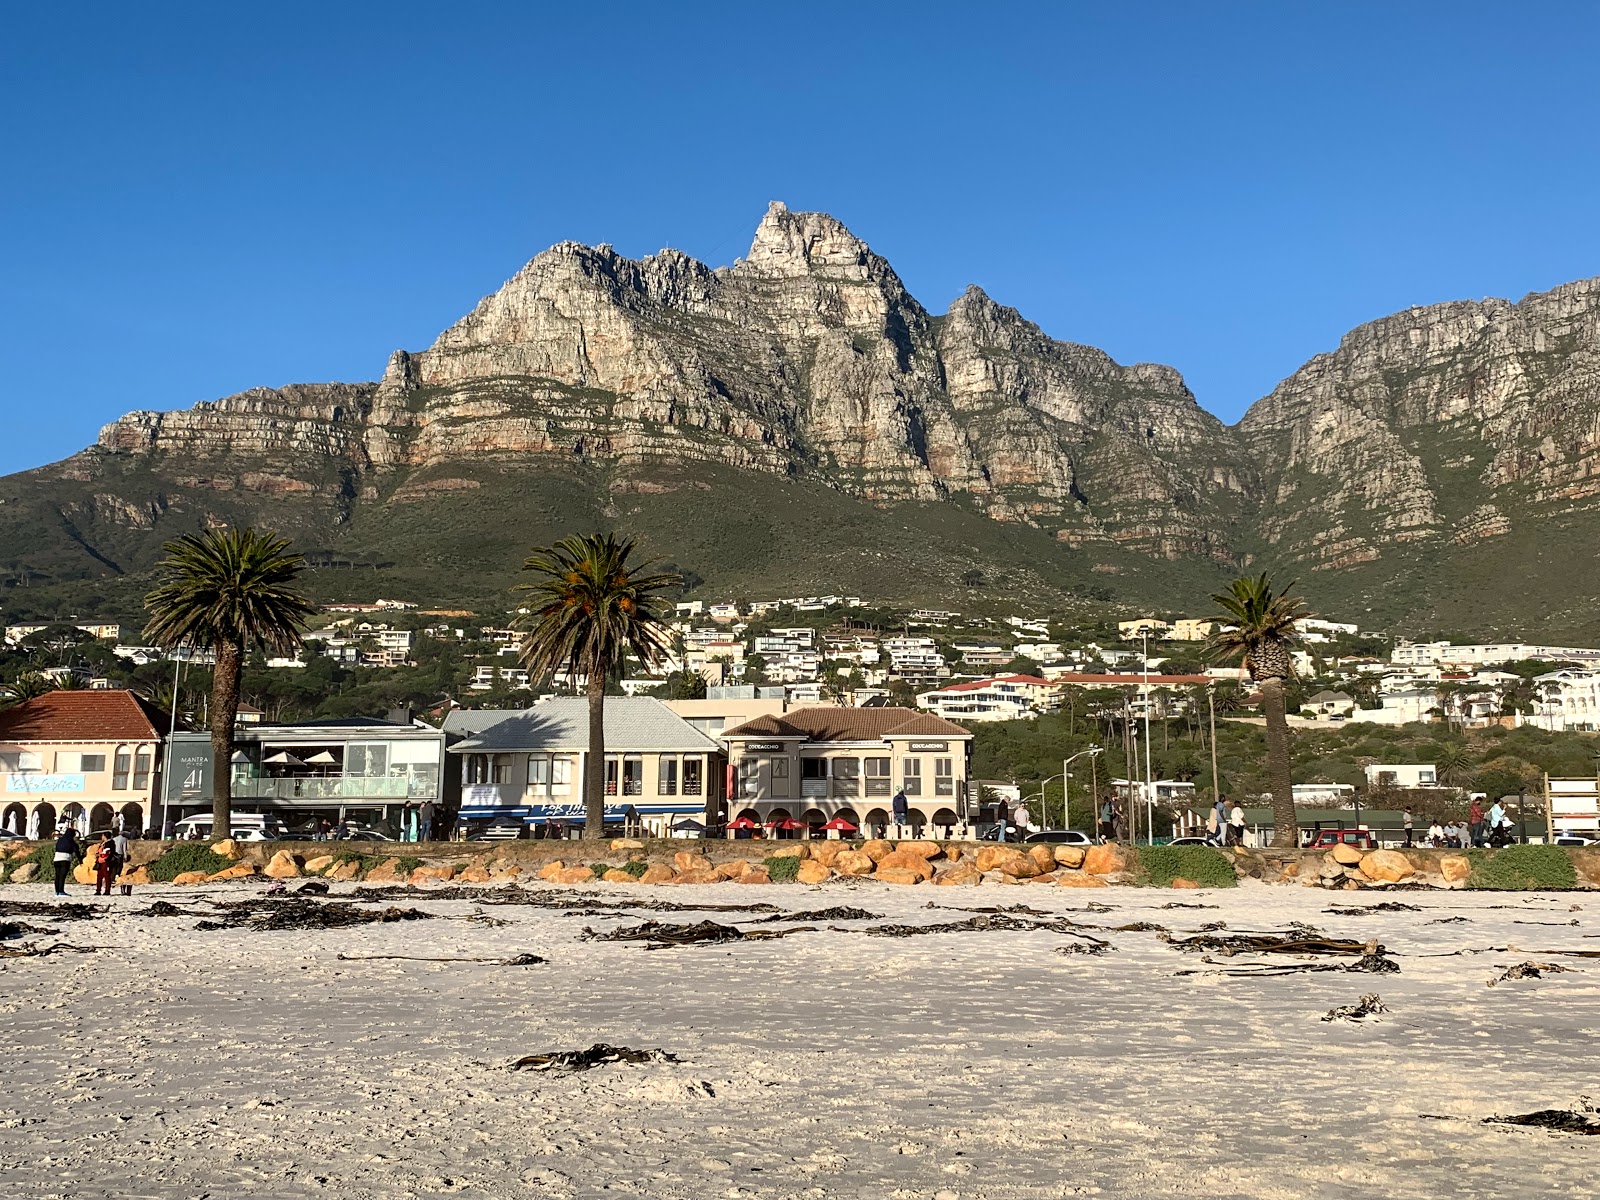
[1573, 839]
[243, 827]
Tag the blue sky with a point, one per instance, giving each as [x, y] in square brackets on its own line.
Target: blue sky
[196, 199]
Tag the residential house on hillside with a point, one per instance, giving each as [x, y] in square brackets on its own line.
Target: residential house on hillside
[1002, 698]
[1331, 704]
[1568, 699]
[527, 767]
[1406, 776]
[1191, 629]
[1152, 627]
[813, 765]
[89, 757]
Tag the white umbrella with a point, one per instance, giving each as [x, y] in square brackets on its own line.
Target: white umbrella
[284, 759]
[33, 825]
[11, 822]
[322, 758]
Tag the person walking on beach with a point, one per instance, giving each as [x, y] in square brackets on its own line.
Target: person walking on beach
[124, 852]
[1475, 821]
[900, 807]
[106, 865]
[1407, 821]
[66, 851]
[1236, 825]
[1001, 815]
[425, 822]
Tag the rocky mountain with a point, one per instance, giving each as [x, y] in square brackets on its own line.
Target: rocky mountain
[799, 415]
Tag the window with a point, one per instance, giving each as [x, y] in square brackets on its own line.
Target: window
[780, 777]
[92, 764]
[750, 777]
[119, 769]
[538, 771]
[141, 770]
[561, 772]
[813, 768]
[911, 776]
[70, 762]
[692, 769]
[633, 775]
[944, 783]
[487, 768]
[846, 776]
[369, 760]
[667, 776]
[877, 776]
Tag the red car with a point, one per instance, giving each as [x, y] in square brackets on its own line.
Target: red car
[1326, 839]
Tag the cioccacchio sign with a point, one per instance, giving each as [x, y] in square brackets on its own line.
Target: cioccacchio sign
[763, 747]
[928, 747]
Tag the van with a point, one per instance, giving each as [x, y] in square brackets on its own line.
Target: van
[244, 827]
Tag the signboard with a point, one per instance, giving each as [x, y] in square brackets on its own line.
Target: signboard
[190, 773]
[764, 747]
[928, 747]
[44, 783]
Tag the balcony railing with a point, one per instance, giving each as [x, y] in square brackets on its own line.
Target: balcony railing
[334, 787]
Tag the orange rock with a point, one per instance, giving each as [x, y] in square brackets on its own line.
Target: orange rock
[551, 869]
[190, 877]
[226, 848]
[959, 875]
[347, 870]
[1389, 865]
[657, 873]
[854, 862]
[897, 875]
[1346, 855]
[699, 875]
[626, 844]
[734, 869]
[1181, 882]
[814, 872]
[1455, 867]
[1290, 869]
[790, 850]
[1079, 879]
[990, 857]
[1105, 860]
[920, 849]
[688, 860]
[1044, 856]
[755, 875]
[282, 866]
[385, 872]
[474, 874]
[319, 864]
[237, 871]
[1021, 866]
[1069, 856]
[614, 875]
[900, 861]
[575, 875]
[827, 852]
[84, 871]
[137, 876]
[877, 849]
[953, 852]
[1050, 878]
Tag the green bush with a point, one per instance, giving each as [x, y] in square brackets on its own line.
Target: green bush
[783, 870]
[636, 867]
[1522, 869]
[43, 857]
[187, 856]
[1210, 868]
[405, 865]
[599, 869]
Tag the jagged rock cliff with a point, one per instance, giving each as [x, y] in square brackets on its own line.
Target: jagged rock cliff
[1457, 440]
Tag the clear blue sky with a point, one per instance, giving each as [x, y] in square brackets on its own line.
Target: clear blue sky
[195, 199]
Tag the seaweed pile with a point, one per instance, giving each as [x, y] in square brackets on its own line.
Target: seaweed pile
[1368, 1005]
[597, 1055]
[294, 913]
[659, 935]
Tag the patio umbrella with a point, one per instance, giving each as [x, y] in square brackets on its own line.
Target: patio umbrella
[283, 759]
[786, 824]
[322, 758]
[841, 824]
[743, 823]
[689, 823]
[11, 823]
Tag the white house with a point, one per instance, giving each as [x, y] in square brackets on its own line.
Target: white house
[1003, 698]
[1402, 775]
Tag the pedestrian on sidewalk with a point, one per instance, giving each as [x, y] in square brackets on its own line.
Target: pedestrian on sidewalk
[66, 851]
[1108, 820]
[900, 807]
[1475, 821]
[1002, 814]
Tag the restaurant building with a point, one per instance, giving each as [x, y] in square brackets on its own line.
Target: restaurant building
[813, 765]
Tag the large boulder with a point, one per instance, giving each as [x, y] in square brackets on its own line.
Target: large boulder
[84, 871]
[1069, 856]
[575, 875]
[755, 875]
[657, 873]
[626, 844]
[790, 850]
[237, 871]
[614, 875]
[854, 862]
[1043, 855]
[920, 849]
[1106, 859]
[1079, 879]
[1021, 866]
[131, 876]
[1389, 865]
[1181, 882]
[898, 875]
[959, 874]
[688, 860]
[190, 877]
[877, 849]
[1455, 868]
[1048, 878]
[903, 861]
[27, 871]
[827, 851]
[1346, 855]
[990, 857]
[387, 871]
[319, 864]
[477, 873]
[707, 874]
[282, 865]
[734, 869]
[549, 871]
[348, 870]
[504, 873]
[813, 872]
[226, 848]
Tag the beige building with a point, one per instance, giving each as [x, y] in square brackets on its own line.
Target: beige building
[89, 757]
[812, 765]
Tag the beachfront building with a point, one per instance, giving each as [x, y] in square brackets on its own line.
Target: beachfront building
[525, 768]
[811, 765]
[89, 757]
[359, 769]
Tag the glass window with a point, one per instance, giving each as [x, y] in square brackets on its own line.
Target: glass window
[780, 768]
[944, 783]
[878, 767]
[119, 770]
[692, 776]
[750, 776]
[667, 776]
[92, 764]
[367, 760]
[846, 768]
[141, 770]
[813, 768]
[911, 776]
[561, 771]
[633, 775]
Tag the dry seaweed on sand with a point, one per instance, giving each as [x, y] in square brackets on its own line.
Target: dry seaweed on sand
[1361, 910]
[841, 912]
[659, 935]
[16, 929]
[34, 950]
[165, 908]
[1004, 922]
[1449, 921]
[1271, 943]
[312, 887]
[516, 960]
[547, 898]
[1090, 946]
[66, 911]
[1180, 904]
[286, 913]
[1582, 1121]
[597, 1055]
[993, 909]
[1368, 1005]
[1529, 970]
[1138, 927]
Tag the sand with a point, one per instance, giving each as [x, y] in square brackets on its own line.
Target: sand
[176, 1063]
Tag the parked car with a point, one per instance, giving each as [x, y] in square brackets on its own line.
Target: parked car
[1191, 840]
[1065, 837]
[1327, 839]
[1573, 839]
[244, 827]
[7, 836]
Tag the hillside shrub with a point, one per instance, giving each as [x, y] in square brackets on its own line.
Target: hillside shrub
[1208, 867]
[636, 867]
[43, 857]
[783, 870]
[187, 856]
[1522, 869]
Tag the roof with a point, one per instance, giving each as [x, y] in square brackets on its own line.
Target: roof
[837, 724]
[1330, 697]
[94, 715]
[1133, 679]
[976, 684]
[634, 723]
[464, 722]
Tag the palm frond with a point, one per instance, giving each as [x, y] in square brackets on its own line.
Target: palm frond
[228, 585]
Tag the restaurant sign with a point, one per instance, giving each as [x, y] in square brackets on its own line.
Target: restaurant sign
[44, 783]
[764, 747]
[928, 747]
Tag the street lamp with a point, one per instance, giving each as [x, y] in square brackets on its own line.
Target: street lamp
[1066, 796]
[1149, 786]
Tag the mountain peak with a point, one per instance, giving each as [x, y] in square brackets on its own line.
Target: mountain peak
[797, 243]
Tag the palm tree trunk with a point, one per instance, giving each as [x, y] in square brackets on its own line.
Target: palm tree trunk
[224, 712]
[1285, 832]
[594, 783]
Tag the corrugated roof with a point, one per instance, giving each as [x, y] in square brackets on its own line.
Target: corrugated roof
[636, 723]
[96, 715]
[837, 724]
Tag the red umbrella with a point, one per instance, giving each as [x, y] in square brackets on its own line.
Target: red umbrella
[743, 823]
[841, 824]
[787, 823]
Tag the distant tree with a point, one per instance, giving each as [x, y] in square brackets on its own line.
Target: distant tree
[28, 686]
[227, 590]
[1258, 626]
[588, 607]
[755, 669]
[974, 578]
[682, 685]
[1022, 665]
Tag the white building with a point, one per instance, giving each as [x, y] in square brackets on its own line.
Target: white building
[1445, 654]
[1402, 775]
[1567, 700]
[1004, 698]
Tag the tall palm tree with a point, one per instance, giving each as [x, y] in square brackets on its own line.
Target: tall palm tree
[226, 590]
[1258, 626]
[30, 685]
[589, 608]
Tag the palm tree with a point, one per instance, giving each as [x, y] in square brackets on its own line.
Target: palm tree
[28, 686]
[227, 590]
[589, 608]
[1258, 626]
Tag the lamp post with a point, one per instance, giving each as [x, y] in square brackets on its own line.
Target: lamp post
[1040, 794]
[1149, 786]
[1066, 817]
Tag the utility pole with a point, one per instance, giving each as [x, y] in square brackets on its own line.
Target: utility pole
[1149, 785]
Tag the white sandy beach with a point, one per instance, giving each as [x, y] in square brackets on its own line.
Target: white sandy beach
[175, 1063]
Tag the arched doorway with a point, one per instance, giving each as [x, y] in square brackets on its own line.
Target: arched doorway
[74, 814]
[101, 816]
[133, 819]
[15, 819]
[877, 823]
[946, 821]
[775, 820]
[916, 818]
[43, 822]
[814, 819]
[849, 814]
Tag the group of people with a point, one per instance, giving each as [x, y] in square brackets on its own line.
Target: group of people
[110, 854]
[1225, 823]
[1491, 827]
